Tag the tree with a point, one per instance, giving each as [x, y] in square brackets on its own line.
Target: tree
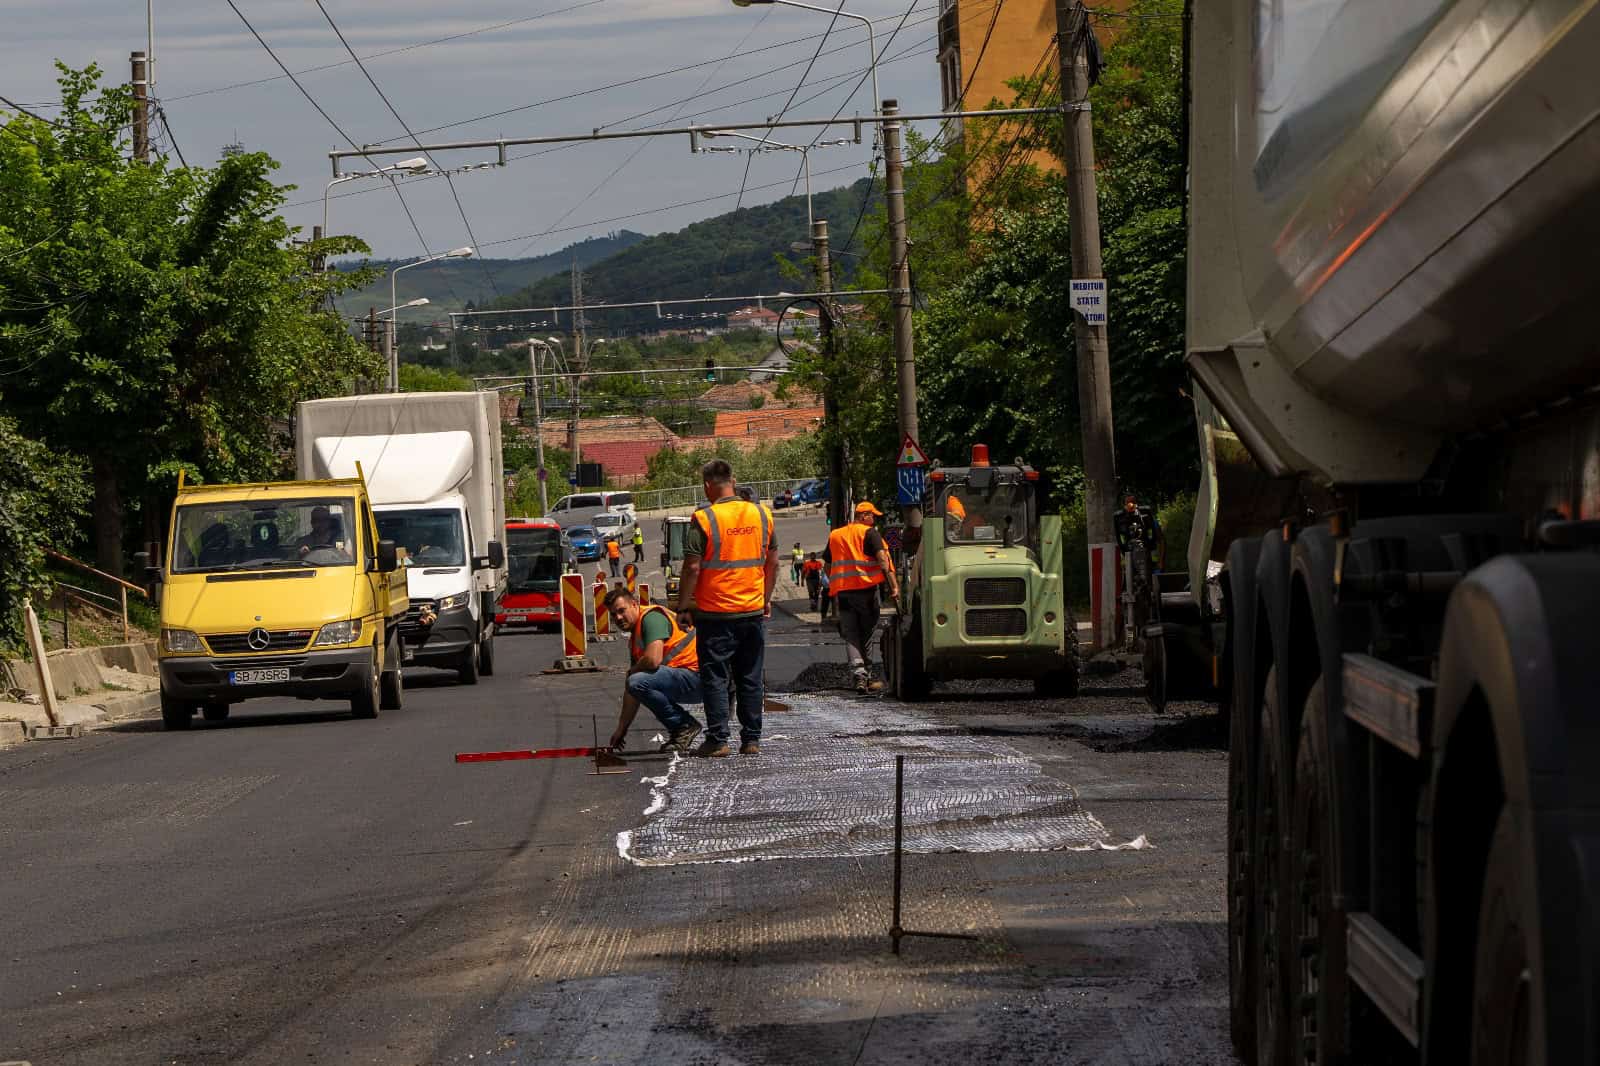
[156, 318]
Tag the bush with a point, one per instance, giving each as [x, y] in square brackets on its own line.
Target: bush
[1177, 518]
[41, 493]
[1075, 557]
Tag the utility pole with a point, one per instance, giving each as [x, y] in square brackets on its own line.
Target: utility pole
[830, 353]
[581, 363]
[319, 262]
[538, 426]
[141, 109]
[1094, 361]
[390, 356]
[371, 333]
[905, 358]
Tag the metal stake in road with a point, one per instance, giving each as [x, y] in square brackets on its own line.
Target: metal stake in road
[900, 298]
[1094, 361]
[830, 398]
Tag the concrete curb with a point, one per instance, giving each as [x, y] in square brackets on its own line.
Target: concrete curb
[103, 709]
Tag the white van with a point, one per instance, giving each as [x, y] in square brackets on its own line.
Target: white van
[569, 509]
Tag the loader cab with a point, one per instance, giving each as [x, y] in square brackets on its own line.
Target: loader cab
[987, 505]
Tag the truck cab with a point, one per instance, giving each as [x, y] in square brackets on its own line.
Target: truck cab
[278, 589]
[984, 595]
[536, 557]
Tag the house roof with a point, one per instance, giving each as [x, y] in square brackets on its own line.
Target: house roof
[622, 458]
[738, 395]
[777, 424]
[605, 430]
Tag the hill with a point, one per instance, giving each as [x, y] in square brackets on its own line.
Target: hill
[451, 284]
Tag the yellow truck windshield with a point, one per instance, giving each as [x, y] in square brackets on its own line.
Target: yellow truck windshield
[262, 534]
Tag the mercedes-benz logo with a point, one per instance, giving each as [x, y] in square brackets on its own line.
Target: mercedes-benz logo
[258, 639]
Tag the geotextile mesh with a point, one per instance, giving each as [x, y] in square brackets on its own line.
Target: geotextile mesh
[823, 787]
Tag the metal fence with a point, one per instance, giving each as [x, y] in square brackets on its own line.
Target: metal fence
[688, 497]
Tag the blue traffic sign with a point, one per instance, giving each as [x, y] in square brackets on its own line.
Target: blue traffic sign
[910, 481]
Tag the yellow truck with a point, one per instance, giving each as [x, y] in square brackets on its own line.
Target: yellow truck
[278, 589]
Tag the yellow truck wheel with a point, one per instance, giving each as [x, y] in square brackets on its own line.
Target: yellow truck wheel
[364, 704]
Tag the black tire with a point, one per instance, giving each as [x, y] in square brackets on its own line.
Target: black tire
[214, 712]
[467, 672]
[365, 703]
[1241, 883]
[889, 652]
[1319, 987]
[1269, 899]
[176, 714]
[486, 657]
[1506, 1027]
[392, 685]
[915, 684]
[1155, 673]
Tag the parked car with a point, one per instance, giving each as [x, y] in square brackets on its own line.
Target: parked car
[615, 525]
[584, 542]
[581, 507]
[813, 491]
[786, 498]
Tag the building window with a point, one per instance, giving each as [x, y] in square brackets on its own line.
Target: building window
[950, 78]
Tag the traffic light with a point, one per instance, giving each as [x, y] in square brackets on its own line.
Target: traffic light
[711, 370]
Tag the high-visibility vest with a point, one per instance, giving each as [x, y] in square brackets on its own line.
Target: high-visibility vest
[638, 535]
[732, 578]
[680, 650]
[849, 567]
[613, 550]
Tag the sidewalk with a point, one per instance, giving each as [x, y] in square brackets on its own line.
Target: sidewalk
[744, 915]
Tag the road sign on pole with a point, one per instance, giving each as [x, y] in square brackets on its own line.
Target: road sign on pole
[910, 454]
[910, 480]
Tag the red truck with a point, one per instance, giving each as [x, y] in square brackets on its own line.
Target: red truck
[534, 556]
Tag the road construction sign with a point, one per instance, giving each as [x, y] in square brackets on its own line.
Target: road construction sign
[911, 454]
[574, 631]
[644, 594]
[630, 574]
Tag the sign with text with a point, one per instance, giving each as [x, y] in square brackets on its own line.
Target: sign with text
[1089, 299]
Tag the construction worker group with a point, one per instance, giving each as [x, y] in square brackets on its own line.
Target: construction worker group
[711, 650]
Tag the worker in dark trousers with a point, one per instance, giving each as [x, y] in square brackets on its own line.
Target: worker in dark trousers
[614, 556]
[858, 565]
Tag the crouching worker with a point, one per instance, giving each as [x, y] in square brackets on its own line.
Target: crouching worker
[665, 673]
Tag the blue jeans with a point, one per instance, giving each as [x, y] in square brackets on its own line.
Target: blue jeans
[665, 691]
[732, 655]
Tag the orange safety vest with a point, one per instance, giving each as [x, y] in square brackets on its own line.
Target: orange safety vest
[849, 567]
[680, 652]
[613, 550]
[732, 577]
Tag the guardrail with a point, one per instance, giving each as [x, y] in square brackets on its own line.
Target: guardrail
[99, 601]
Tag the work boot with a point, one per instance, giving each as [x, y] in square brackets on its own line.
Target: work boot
[714, 749]
[682, 740]
[861, 681]
[750, 747]
[873, 686]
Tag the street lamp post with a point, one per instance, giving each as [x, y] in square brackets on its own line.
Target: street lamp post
[416, 165]
[872, 44]
[768, 144]
[391, 356]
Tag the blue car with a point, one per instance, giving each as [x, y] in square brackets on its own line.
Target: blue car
[585, 543]
[812, 492]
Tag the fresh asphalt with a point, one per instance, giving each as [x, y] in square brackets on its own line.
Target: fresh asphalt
[296, 885]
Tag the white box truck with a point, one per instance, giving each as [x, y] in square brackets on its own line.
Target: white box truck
[434, 472]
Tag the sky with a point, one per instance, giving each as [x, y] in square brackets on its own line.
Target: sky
[556, 48]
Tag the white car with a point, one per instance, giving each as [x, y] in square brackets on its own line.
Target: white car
[615, 525]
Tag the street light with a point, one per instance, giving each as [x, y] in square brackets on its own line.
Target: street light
[872, 44]
[768, 143]
[418, 302]
[393, 357]
[414, 165]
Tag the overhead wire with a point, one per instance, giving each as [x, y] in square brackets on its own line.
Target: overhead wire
[449, 181]
[327, 118]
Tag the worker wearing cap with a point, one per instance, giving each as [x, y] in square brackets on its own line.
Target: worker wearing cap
[858, 564]
[730, 567]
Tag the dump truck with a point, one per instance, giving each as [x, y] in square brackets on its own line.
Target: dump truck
[1390, 320]
[984, 595]
[278, 589]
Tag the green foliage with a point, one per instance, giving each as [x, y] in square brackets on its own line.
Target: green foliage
[155, 318]
[415, 378]
[798, 457]
[1177, 518]
[41, 493]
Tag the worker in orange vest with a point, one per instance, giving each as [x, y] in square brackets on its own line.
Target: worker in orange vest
[665, 673]
[858, 564]
[730, 567]
[614, 555]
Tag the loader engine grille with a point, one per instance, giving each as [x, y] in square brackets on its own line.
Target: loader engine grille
[995, 591]
[1008, 622]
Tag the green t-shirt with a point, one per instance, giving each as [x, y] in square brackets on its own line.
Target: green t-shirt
[654, 626]
[694, 543]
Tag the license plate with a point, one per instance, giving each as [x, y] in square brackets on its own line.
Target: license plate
[263, 676]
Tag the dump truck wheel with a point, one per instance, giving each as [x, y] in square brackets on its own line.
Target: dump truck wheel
[1270, 903]
[1503, 995]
